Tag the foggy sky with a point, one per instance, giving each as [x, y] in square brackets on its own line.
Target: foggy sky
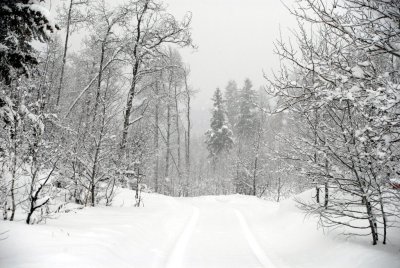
[235, 41]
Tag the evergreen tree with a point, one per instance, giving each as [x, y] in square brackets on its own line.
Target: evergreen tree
[22, 21]
[247, 117]
[219, 137]
[232, 108]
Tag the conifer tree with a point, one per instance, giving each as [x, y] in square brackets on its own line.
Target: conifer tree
[232, 97]
[219, 136]
[247, 117]
[21, 22]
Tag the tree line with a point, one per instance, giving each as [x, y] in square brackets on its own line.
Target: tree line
[76, 124]
[241, 145]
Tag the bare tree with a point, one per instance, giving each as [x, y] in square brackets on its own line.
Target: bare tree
[188, 93]
[71, 19]
[150, 30]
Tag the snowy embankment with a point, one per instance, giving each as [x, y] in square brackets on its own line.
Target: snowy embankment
[209, 231]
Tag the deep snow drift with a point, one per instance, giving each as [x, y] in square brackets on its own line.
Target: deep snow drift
[209, 231]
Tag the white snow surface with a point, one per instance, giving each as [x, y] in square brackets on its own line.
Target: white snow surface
[209, 231]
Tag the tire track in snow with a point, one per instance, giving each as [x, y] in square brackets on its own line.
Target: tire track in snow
[176, 258]
[251, 240]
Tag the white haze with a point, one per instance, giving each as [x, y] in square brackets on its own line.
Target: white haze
[234, 39]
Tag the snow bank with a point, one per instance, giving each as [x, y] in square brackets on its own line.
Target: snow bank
[118, 236]
[293, 239]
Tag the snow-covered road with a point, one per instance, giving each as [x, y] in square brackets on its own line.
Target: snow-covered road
[210, 231]
[217, 235]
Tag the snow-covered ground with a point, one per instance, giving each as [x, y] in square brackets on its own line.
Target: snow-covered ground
[209, 231]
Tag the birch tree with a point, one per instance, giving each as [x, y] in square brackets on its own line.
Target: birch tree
[150, 30]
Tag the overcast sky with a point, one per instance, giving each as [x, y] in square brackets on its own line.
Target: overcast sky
[235, 41]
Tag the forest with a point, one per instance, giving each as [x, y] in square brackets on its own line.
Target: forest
[78, 125]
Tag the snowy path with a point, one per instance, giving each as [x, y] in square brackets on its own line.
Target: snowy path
[217, 235]
[257, 250]
[210, 231]
[175, 259]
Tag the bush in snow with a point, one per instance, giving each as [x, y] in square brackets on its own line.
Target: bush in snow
[341, 90]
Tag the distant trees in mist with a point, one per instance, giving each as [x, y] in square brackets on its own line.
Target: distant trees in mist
[242, 141]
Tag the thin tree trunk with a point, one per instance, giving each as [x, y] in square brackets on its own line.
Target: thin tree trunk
[13, 178]
[372, 222]
[383, 217]
[96, 160]
[34, 171]
[128, 108]
[187, 151]
[237, 177]
[156, 141]
[135, 77]
[256, 158]
[317, 189]
[93, 178]
[368, 206]
[5, 214]
[100, 75]
[326, 200]
[168, 138]
[167, 142]
[255, 176]
[178, 137]
[99, 144]
[65, 54]
[13, 138]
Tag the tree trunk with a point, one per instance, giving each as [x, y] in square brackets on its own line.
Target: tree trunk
[128, 108]
[372, 223]
[368, 206]
[167, 141]
[93, 179]
[5, 214]
[65, 54]
[317, 190]
[326, 200]
[178, 137]
[13, 179]
[135, 77]
[100, 75]
[34, 173]
[13, 166]
[156, 141]
[237, 178]
[256, 158]
[98, 147]
[255, 176]
[187, 151]
[384, 220]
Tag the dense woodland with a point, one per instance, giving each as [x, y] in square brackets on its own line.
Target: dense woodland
[77, 125]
